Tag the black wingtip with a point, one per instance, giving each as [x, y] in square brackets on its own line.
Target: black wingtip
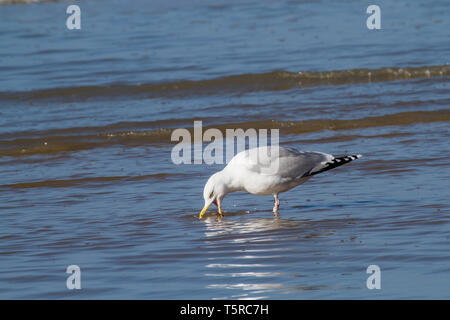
[337, 162]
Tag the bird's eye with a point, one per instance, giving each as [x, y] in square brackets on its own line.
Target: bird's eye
[211, 194]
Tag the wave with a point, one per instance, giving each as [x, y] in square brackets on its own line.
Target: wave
[89, 181]
[242, 83]
[84, 138]
[4, 2]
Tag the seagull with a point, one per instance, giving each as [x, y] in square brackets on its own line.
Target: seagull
[268, 170]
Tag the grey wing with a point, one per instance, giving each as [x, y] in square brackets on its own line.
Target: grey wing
[285, 162]
[297, 164]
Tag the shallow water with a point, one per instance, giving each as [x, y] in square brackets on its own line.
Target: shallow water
[86, 176]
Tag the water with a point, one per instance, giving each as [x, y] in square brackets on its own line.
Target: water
[86, 176]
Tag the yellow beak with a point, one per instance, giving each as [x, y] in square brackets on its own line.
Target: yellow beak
[205, 208]
[202, 213]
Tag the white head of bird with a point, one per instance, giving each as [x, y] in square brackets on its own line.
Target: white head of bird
[215, 190]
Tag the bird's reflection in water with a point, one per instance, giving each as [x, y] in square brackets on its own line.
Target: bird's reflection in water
[221, 226]
[245, 255]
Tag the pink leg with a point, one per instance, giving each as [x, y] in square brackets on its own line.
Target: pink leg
[219, 207]
[276, 204]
